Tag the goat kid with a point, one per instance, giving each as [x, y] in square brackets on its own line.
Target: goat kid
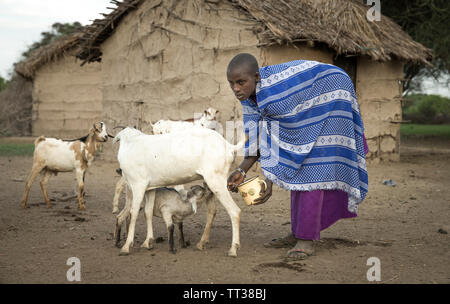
[154, 161]
[52, 156]
[173, 206]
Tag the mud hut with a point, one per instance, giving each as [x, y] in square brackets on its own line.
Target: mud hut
[66, 98]
[167, 59]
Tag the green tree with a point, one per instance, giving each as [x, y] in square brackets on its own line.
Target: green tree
[57, 30]
[426, 21]
[3, 83]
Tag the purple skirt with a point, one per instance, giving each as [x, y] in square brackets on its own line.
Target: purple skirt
[314, 211]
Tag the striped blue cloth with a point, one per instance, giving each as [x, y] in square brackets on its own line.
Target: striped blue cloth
[308, 129]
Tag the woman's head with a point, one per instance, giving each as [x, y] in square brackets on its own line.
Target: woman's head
[243, 75]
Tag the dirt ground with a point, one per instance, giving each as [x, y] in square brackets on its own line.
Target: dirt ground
[405, 226]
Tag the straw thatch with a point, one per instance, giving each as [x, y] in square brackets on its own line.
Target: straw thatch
[340, 24]
[100, 30]
[48, 53]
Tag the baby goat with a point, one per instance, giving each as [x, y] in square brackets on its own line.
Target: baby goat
[53, 155]
[173, 206]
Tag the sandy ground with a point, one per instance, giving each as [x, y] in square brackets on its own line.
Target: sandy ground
[405, 226]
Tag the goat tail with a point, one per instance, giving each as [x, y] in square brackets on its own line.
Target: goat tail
[38, 140]
[241, 143]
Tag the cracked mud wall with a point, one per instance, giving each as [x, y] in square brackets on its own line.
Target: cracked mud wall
[379, 92]
[67, 98]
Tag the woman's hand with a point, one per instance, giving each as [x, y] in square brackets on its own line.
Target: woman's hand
[265, 194]
[234, 180]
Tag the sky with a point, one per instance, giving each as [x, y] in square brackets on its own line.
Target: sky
[22, 21]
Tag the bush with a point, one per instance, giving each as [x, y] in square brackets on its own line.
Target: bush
[426, 109]
[16, 106]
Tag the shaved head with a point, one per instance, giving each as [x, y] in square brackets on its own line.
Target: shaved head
[243, 76]
[244, 61]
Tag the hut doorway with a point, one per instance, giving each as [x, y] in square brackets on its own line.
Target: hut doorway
[348, 64]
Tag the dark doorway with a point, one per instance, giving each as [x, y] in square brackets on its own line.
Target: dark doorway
[348, 64]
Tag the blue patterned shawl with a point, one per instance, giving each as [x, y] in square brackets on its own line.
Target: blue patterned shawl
[309, 128]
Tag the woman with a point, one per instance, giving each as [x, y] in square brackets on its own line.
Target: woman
[305, 129]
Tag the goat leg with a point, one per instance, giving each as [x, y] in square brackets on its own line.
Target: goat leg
[170, 229]
[117, 233]
[44, 181]
[37, 167]
[80, 178]
[183, 243]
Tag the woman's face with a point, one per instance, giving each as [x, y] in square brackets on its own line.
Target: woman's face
[242, 82]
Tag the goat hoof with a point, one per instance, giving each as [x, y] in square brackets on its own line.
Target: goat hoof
[123, 253]
[232, 254]
[115, 211]
[233, 250]
[147, 246]
[201, 245]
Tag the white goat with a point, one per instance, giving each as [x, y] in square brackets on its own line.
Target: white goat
[173, 206]
[207, 120]
[53, 155]
[154, 161]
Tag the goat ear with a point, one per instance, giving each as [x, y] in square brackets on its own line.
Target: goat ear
[95, 127]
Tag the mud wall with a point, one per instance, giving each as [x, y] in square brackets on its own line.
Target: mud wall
[379, 94]
[67, 98]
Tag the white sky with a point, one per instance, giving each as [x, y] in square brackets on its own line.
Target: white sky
[22, 21]
[432, 86]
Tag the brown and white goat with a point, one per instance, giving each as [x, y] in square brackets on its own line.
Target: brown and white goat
[53, 155]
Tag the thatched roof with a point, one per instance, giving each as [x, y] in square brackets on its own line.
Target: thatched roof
[48, 53]
[340, 24]
[101, 29]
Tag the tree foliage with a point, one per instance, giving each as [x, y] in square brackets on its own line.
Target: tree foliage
[57, 30]
[3, 83]
[430, 109]
[426, 21]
